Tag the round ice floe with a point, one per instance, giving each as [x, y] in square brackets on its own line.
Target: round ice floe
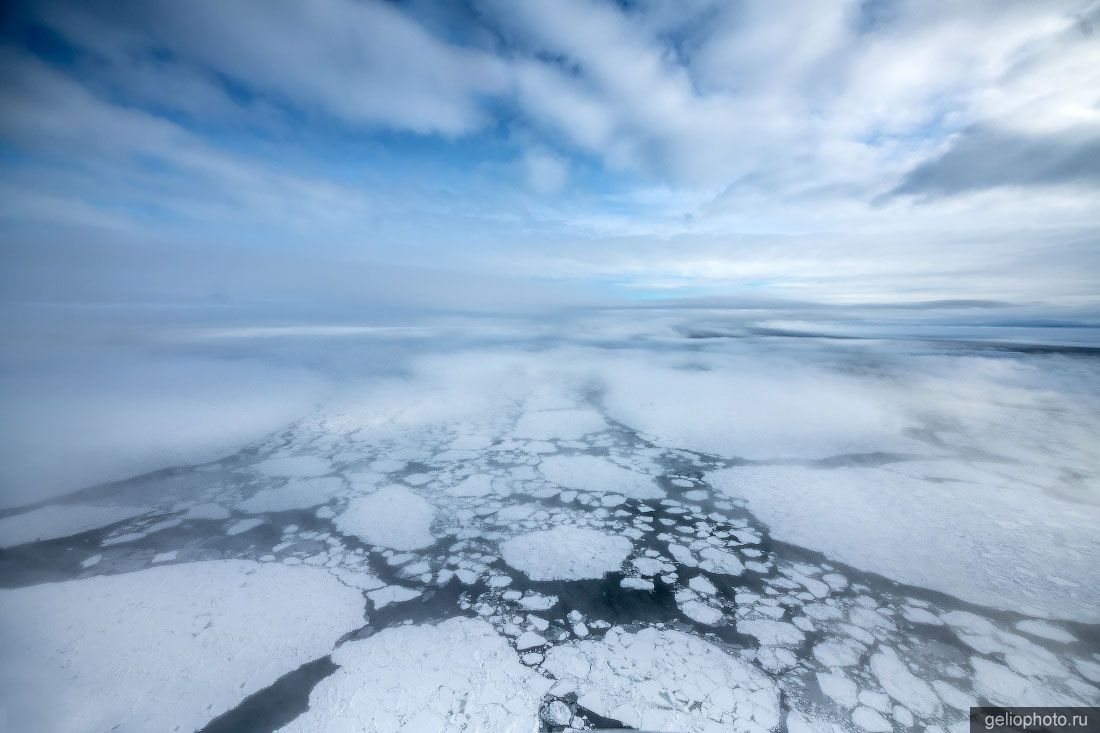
[666, 680]
[391, 517]
[592, 473]
[457, 676]
[566, 553]
[168, 648]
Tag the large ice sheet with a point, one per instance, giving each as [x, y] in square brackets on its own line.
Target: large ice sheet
[566, 553]
[52, 522]
[294, 466]
[665, 680]
[753, 407]
[392, 517]
[168, 648]
[297, 493]
[459, 675]
[992, 545]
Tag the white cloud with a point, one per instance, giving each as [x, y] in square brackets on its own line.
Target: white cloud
[152, 161]
[363, 62]
[546, 173]
[660, 144]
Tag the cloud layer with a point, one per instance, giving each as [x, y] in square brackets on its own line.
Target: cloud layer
[885, 149]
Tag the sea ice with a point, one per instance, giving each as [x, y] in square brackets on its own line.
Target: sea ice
[391, 517]
[838, 687]
[571, 424]
[459, 675]
[300, 493]
[591, 473]
[293, 467]
[771, 633]
[719, 561]
[391, 594]
[666, 680]
[1046, 631]
[701, 612]
[636, 584]
[55, 521]
[836, 654]
[243, 526]
[168, 648]
[207, 510]
[529, 640]
[566, 553]
[902, 685]
[476, 485]
[871, 721]
[702, 585]
[752, 410]
[943, 536]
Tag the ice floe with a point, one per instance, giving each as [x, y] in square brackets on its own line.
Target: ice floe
[293, 466]
[595, 474]
[943, 536]
[168, 648]
[300, 493]
[243, 526]
[459, 675]
[566, 553]
[665, 680]
[56, 521]
[391, 517]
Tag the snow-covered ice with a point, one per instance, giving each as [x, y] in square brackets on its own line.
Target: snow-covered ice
[459, 675]
[666, 680]
[168, 648]
[392, 517]
[649, 576]
[566, 553]
[591, 473]
[566, 424]
[301, 466]
[946, 536]
[242, 526]
[297, 493]
[65, 520]
[391, 594]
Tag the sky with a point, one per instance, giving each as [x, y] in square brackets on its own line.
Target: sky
[490, 151]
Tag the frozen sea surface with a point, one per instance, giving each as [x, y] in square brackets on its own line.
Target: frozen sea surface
[165, 648]
[660, 531]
